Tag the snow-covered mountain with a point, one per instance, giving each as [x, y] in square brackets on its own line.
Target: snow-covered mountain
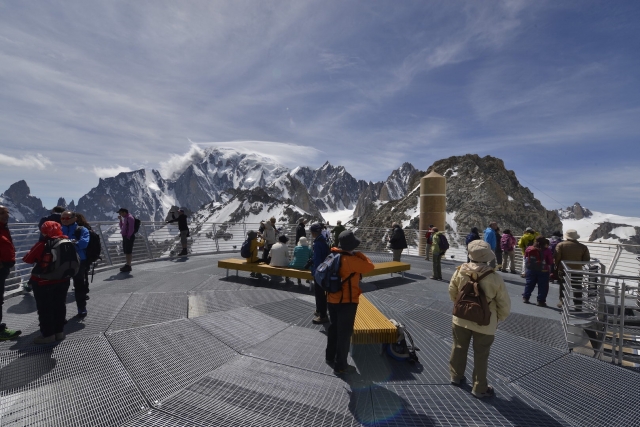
[333, 188]
[23, 207]
[396, 185]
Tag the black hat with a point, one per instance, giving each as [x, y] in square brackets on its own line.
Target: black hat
[348, 241]
[315, 228]
[125, 210]
[282, 238]
[252, 234]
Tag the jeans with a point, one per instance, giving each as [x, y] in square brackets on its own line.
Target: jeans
[51, 305]
[437, 267]
[4, 273]
[321, 300]
[396, 254]
[458, 360]
[81, 285]
[541, 278]
[342, 317]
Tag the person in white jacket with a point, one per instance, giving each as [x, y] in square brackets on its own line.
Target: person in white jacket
[499, 302]
[280, 254]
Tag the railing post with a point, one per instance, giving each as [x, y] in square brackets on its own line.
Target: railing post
[614, 261]
[146, 241]
[106, 246]
[623, 291]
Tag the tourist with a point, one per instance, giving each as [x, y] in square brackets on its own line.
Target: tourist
[571, 250]
[464, 330]
[508, 245]
[397, 241]
[473, 235]
[538, 261]
[300, 230]
[336, 232]
[127, 229]
[80, 236]
[301, 256]
[183, 228]
[438, 252]
[320, 252]
[344, 303]
[428, 235]
[490, 238]
[527, 239]
[7, 261]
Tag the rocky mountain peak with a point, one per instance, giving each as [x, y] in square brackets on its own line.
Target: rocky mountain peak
[22, 205]
[574, 212]
[396, 185]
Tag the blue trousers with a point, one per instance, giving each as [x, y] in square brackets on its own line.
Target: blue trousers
[533, 278]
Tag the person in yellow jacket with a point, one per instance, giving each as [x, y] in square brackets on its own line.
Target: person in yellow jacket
[464, 330]
[342, 305]
[527, 239]
[255, 244]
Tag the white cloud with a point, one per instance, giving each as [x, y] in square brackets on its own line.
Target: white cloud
[28, 161]
[108, 172]
[177, 163]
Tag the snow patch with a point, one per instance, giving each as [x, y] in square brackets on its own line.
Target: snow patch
[450, 219]
[342, 215]
[510, 198]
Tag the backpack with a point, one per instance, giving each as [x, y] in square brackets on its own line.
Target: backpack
[60, 260]
[245, 249]
[400, 350]
[471, 303]
[136, 225]
[506, 243]
[443, 243]
[327, 276]
[93, 249]
[429, 236]
[534, 259]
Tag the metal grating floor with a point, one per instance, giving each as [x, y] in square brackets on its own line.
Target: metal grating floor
[249, 355]
[166, 357]
[75, 383]
[241, 328]
[250, 392]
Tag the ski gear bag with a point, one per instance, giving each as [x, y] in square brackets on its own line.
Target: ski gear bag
[471, 303]
[60, 260]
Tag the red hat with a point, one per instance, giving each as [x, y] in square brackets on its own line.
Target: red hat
[51, 229]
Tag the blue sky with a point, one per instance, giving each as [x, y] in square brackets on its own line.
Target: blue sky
[89, 88]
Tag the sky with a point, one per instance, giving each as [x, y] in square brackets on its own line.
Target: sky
[92, 88]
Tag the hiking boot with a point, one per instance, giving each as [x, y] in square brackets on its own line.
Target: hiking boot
[542, 304]
[86, 297]
[318, 320]
[513, 272]
[183, 252]
[458, 382]
[522, 275]
[125, 268]
[525, 300]
[81, 314]
[559, 304]
[344, 371]
[59, 336]
[8, 334]
[26, 288]
[488, 393]
[44, 340]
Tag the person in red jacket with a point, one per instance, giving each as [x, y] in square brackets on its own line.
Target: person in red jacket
[7, 261]
[50, 295]
[342, 305]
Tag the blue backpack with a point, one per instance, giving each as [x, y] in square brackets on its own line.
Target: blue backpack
[327, 276]
[245, 249]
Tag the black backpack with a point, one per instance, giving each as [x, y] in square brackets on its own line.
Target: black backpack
[245, 249]
[94, 248]
[136, 225]
[59, 261]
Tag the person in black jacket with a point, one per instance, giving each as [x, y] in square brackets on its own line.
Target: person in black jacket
[470, 238]
[183, 227]
[300, 231]
[397, 241]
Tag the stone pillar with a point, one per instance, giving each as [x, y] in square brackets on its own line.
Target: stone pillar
[433, 205]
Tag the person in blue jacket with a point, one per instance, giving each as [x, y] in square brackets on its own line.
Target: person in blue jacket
[80, 236]
[490, 238]
[320, 252]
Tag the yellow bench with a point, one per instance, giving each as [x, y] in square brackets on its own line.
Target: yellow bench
[259, 267]
[371, 326]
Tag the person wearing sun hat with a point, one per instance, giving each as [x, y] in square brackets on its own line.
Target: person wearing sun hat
[342, 305]
[571, 250]
[464, 330]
